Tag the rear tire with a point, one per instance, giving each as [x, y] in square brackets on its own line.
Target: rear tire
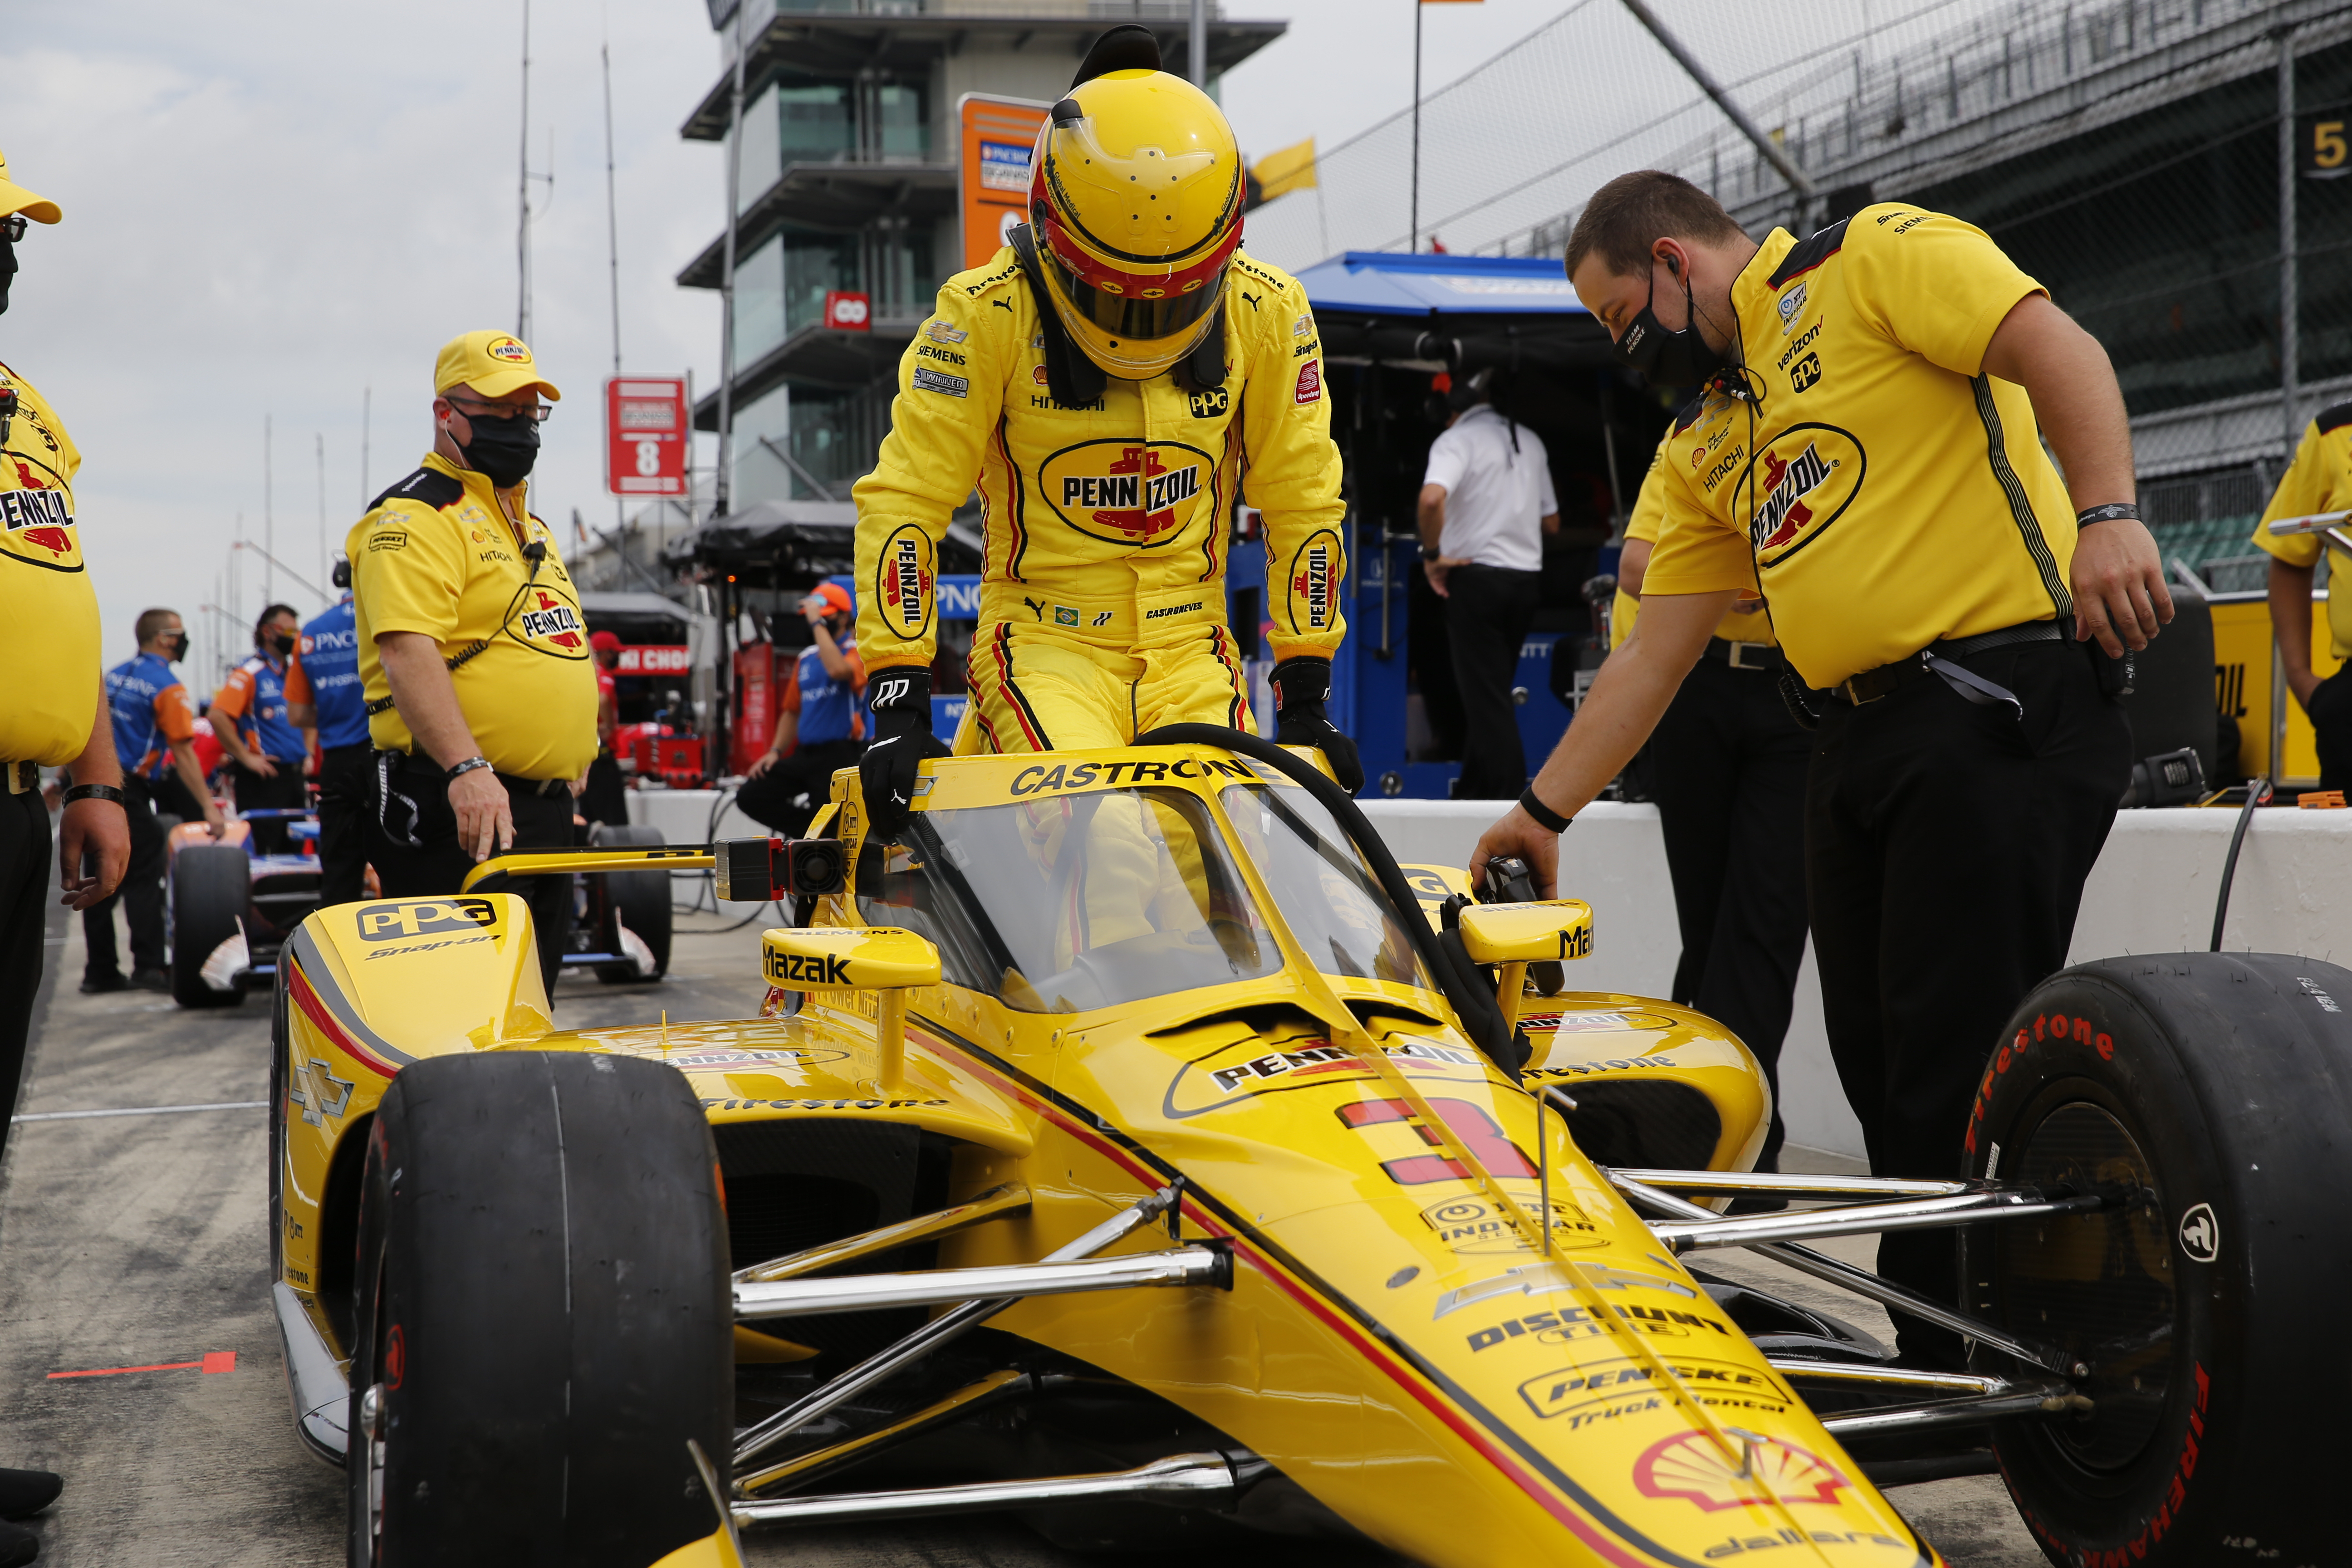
[641, 901]
[2219, 1084]
[211, 889]
[544, 1312]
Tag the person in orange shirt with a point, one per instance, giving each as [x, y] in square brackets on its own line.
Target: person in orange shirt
[267, 752]
[820, 728]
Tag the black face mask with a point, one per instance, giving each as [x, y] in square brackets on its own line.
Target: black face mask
[1663, 358]
[502, 450]
[284, 645]
[7, 270]
[178, 650]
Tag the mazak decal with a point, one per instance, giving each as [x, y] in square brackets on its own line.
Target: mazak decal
[1580, 1392]
[902, 587]
[829, 970]
[716, 1059]
[1800, 482]
[1126, 492]
[1691, 1465]
[1593, 1023]
[548, 620]
[422, 917]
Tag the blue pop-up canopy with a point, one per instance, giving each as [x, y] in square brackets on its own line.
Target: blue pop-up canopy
[1379, 283]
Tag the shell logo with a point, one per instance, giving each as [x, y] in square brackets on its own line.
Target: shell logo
[1691, 1465]
[509, 349]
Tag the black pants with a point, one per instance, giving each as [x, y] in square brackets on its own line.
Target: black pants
[281, 791]
[27, 877]
[1489, 610]
[171, 797]
[606, 798]
[346, 798]
[1726, 767]
[2331, 722]
[141, 893]
[412, 840]
[1946, 846]
[796, 787]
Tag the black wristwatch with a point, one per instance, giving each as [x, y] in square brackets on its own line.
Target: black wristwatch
[96, 792]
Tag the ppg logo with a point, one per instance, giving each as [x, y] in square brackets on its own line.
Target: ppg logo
[391, 922]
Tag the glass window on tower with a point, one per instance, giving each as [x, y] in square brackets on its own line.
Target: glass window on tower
[760, 301]
[907, 254]
[901, 128]
[815, 264]
[813, 120]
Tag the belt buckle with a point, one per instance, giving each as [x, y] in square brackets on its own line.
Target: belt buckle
[1853, 694]
[24, 777]
[1738, 659]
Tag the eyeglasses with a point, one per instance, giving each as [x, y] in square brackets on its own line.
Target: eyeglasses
[13, 226]
[475, 408]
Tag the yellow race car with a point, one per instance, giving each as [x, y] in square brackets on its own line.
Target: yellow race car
[1123, 1145]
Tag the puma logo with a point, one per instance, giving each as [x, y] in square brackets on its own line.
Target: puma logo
[1036, 608]
[1002, 304]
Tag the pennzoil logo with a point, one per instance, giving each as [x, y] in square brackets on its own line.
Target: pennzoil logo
[40, 519]
[424, 917]
[1311, 583]
[552, 620]
[1800, 482]
[903, 586]
[1126, 492]
[507, 350]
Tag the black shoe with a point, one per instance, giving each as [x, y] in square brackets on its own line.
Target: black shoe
[100, 983]
[152, 979]
[24, 1493]
[18, 1545]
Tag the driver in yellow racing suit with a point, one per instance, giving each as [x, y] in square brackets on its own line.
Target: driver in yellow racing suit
[1110, 380]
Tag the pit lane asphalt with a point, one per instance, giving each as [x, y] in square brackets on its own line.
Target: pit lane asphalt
[139, 1241]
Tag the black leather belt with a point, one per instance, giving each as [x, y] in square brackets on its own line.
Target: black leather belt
[527, 786]
[1888, 678]
[1743, 654]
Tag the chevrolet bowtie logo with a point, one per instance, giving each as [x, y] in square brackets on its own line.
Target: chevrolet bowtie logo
[319, 1093]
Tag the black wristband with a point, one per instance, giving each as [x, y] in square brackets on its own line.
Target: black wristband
[471, 764]
[2113, 511]
[95, 792]
[1546, 818]
[904, 688]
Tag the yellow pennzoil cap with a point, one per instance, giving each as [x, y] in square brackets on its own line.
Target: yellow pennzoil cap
[492, 363]
[15, 198]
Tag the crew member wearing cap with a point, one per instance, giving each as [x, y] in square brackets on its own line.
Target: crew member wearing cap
[48, 623]
[267, 748]
[1866, 451]
[1726, 771]
[323, 694]
[2319, 480]
[606, 796]
[819, 729]
[1112, 381]
[482, 698]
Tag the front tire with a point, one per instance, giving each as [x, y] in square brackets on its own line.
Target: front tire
[544, 1317]
[640, 900]
[2216, 1086]
[211, 889]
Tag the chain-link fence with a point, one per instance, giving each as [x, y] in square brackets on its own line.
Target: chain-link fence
[2153, 162]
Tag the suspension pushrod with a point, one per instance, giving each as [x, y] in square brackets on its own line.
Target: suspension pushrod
[1866, 1219]
[1010, 1198]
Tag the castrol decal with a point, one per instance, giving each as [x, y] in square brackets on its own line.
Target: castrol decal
[902, 586]
[1142, 494]
[1798, 484]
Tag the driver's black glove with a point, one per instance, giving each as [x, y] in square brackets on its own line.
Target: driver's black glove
[901, 703]
[1301, 686]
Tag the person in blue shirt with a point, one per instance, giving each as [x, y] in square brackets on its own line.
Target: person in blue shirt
[820, 726]
[267, 751]
[154, 736]
[323, 693]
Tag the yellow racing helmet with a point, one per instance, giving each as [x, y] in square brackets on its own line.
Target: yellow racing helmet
[1136, 206]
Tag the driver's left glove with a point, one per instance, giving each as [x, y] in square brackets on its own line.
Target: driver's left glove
[1301, 686]
[901, 704]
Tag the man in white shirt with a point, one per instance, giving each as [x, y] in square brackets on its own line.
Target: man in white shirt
[1487, 502]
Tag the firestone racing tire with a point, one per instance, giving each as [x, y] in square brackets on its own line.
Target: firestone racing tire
[543, 1318]
[641, 900]
[211, 889]
[2218, 1085]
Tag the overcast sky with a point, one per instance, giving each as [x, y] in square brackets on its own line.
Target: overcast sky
[271, 205]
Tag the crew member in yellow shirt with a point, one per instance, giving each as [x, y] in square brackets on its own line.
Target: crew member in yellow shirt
[1110, 381]
[481, 698]
[1864, 453]
[2319, 480]
[50, 715]
[1726, 771]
